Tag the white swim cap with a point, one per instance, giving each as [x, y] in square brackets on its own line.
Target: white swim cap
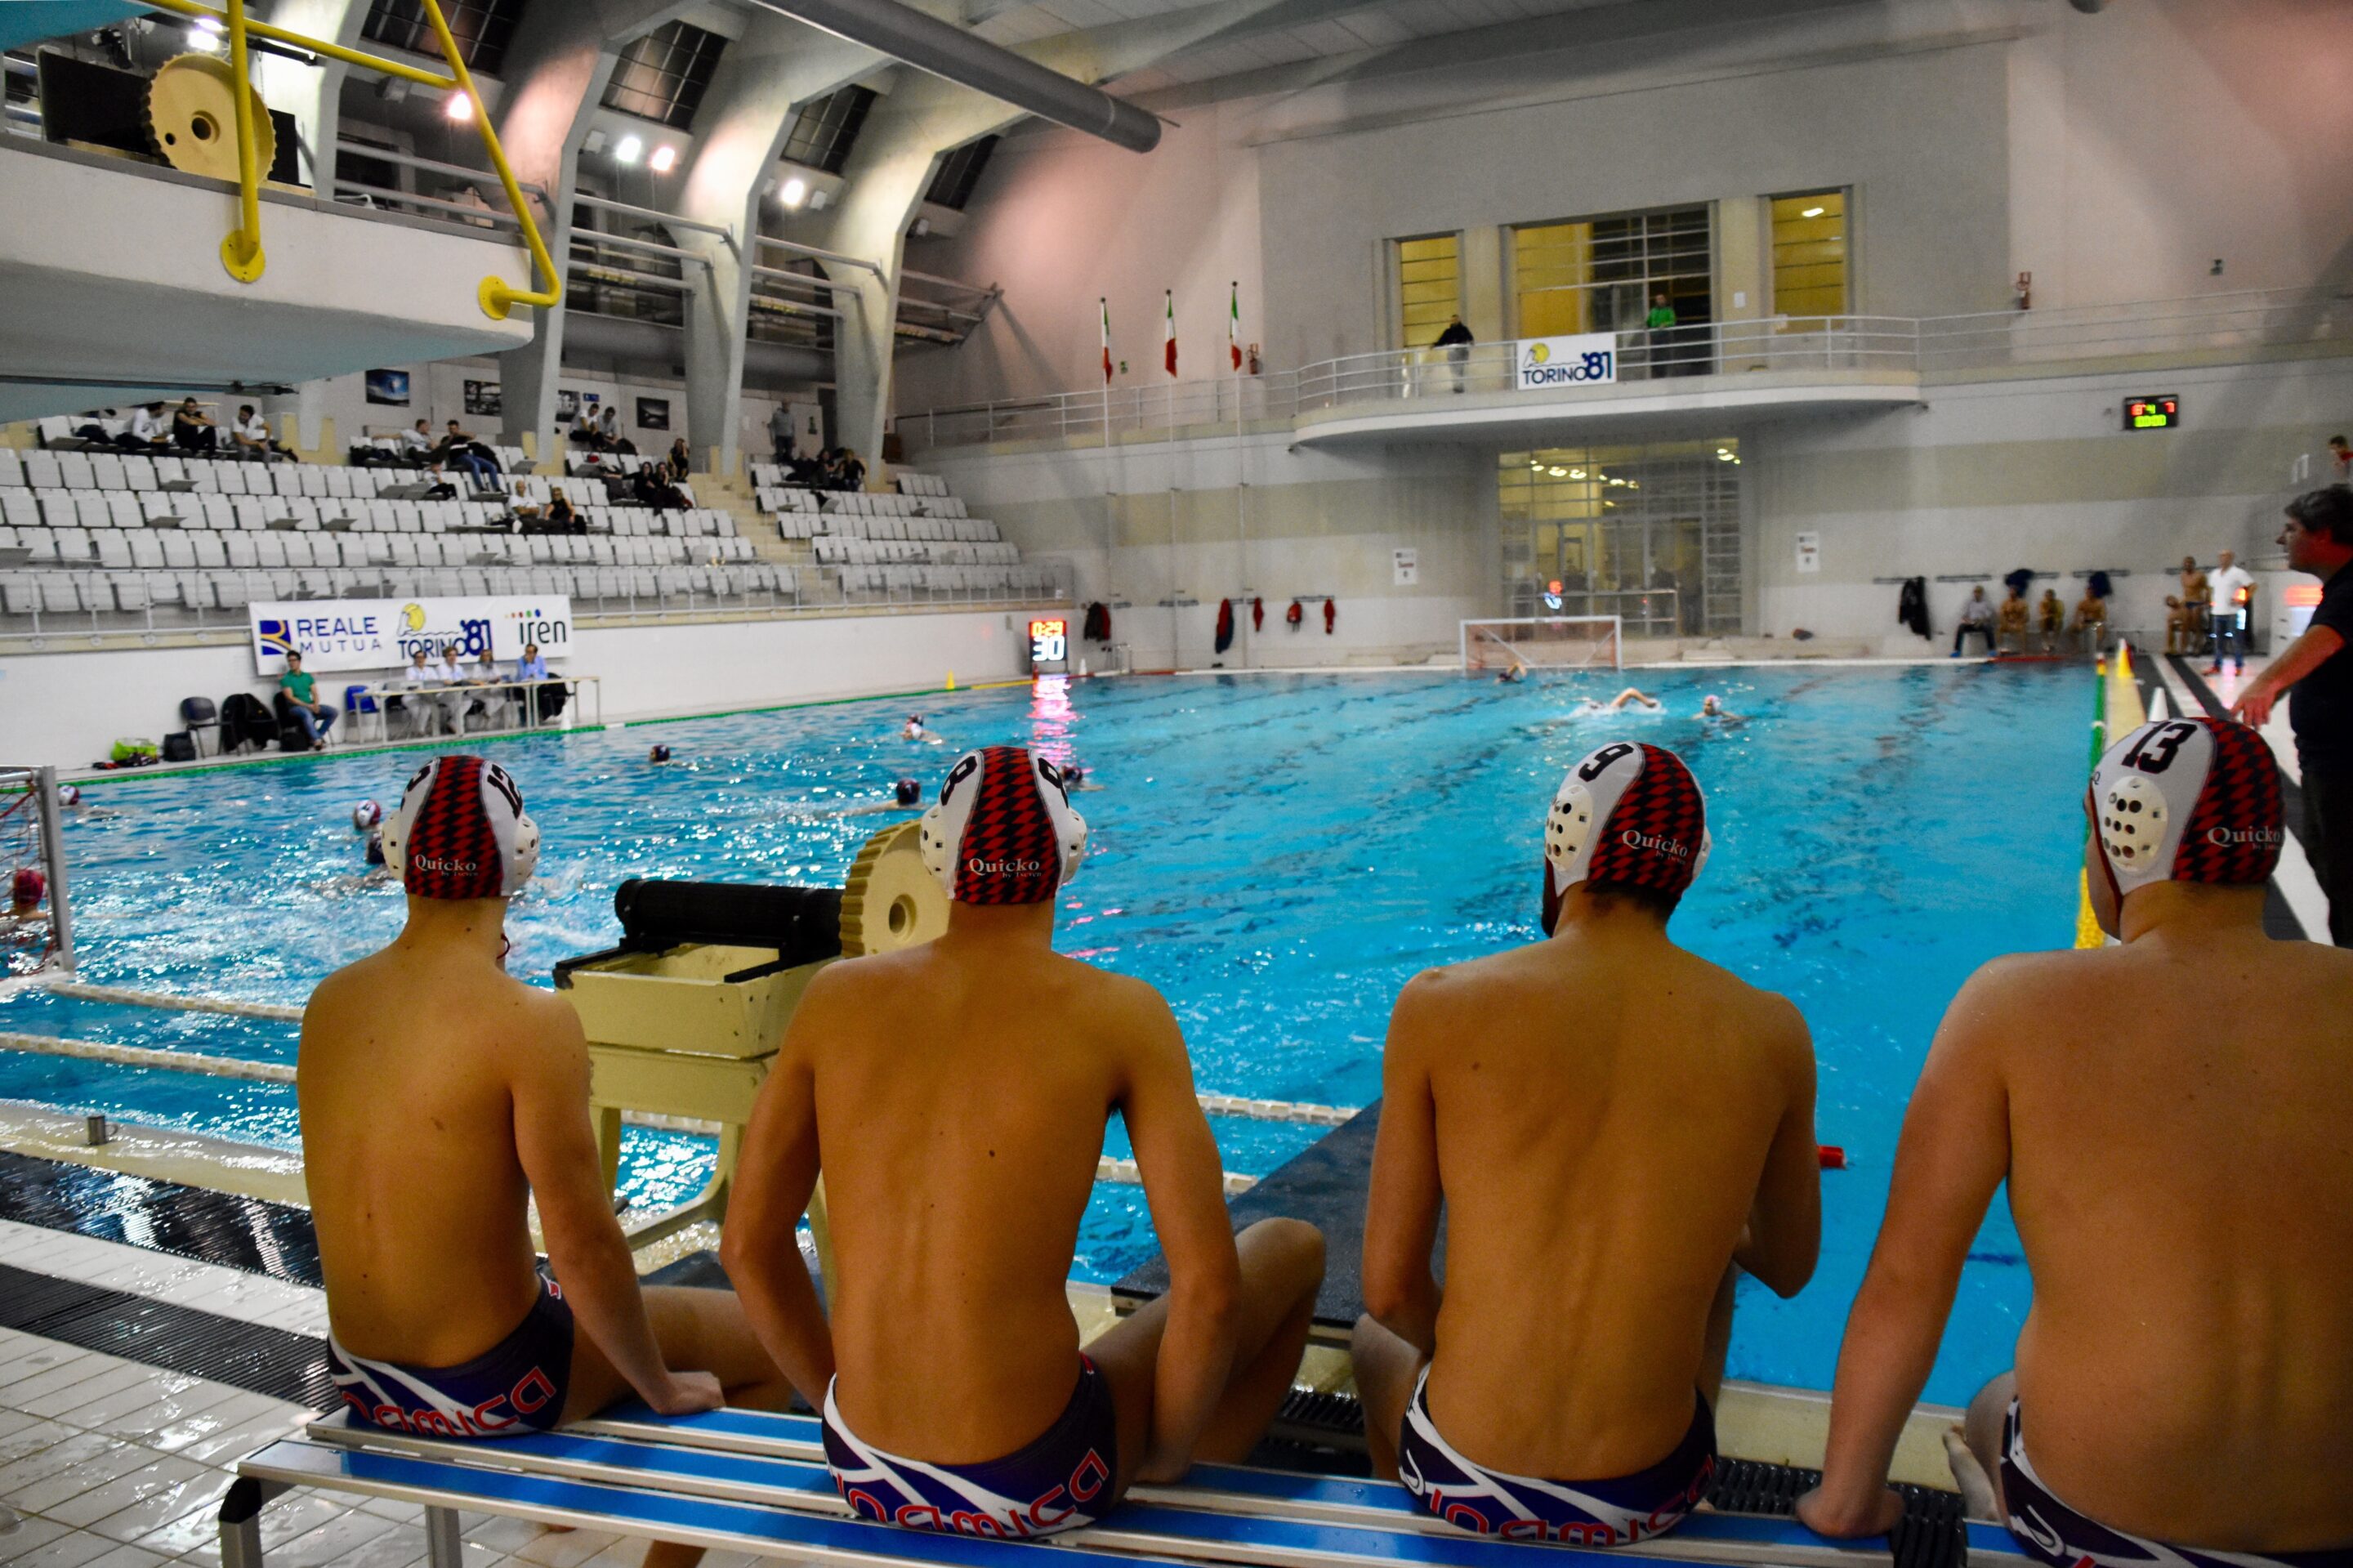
[2186, 801]
[366, 815]
[1627, 814]
[460, 832]
[1003, 832]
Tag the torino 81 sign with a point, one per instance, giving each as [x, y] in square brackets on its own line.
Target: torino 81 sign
[1584, 361]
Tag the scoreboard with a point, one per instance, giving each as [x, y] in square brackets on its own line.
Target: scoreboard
[1049, 646]
[2162, 412]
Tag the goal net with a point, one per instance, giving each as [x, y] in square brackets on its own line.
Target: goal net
[37, 927]
[1543, 642]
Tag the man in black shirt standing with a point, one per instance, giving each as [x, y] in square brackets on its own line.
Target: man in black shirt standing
[2319, 540]
[1456, 341]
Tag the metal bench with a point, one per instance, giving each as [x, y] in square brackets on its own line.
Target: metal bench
[756, 1482]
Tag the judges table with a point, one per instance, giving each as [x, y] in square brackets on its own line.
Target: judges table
[425, 708]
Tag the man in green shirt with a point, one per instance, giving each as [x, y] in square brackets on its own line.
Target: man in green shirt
[301, 690]
[1662, 324]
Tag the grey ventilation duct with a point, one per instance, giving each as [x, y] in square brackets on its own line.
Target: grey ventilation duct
[948, 51]
[2089, 7]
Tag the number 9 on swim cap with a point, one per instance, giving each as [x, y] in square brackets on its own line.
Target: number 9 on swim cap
[1629, 815]
[460, 832]
[1003, 832]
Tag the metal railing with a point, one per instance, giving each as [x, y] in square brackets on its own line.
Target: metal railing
[241, 251]
[1926, 347]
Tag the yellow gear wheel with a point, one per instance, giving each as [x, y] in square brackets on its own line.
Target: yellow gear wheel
[890, 899]
[192, 117]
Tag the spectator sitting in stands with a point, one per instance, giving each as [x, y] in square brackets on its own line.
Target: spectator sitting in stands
[148, 432]
[416, 710]
[450, 703]
[249, 432]
[609, 432]
[417, 445]
[192, 432]
[780, 435]
[675, 466]
[461, 450]
[805, 471]
[302, 689]
[584, 430]
[492, 705]
[650, 489]
[853, 472]
[1977, 616]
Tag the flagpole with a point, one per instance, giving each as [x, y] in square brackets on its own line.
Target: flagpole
[1110, 501]
[1176, 635]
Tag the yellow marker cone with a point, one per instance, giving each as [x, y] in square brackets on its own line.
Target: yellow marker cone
[951, 680]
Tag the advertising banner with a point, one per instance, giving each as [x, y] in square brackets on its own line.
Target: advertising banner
[1587, 360]
[380, 633]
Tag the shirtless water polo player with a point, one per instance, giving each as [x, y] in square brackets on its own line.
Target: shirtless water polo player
[439, 1097]
[959, 1090]
[1611, 1125]
[2170, 1116]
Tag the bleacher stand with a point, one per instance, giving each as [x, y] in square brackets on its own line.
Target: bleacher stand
[99, 533]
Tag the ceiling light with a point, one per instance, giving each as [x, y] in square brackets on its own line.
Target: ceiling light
[457, 108]
[1558, 473]
[1812, 212]
[205, 33]
[629, 150]
[795, 192]
[1576, 474]
[665, 158]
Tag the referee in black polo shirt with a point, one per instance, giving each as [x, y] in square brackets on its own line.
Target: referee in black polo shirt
[2318, 666]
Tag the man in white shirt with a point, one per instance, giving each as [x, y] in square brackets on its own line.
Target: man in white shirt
[250, 434]
[416, 444]
[149, 432]
[449, 675]
[1977, 616]
[2233, 605]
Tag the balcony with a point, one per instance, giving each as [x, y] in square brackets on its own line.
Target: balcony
[1687, 380]
[115, 284]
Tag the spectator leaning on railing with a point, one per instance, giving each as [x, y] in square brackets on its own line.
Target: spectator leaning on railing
[2316, 672]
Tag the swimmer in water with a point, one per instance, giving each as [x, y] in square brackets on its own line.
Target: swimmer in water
[1512, 674]
[659, 754]
[1712, 709]
[916, 731]
[1626, 1101]
[2184, 1198]
[1630, 698]
[26, 891]
[439, 1098]
[960, 1136]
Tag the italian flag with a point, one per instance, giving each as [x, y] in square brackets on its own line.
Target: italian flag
[1107, 339]
[1234, 328]
[1168, 348]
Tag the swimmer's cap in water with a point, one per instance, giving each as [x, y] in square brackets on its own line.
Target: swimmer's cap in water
[460, 832]
[1630, 814]
[27, 885]
[1003, 832]
[367, 817]
[68, 794]
[2186, 801]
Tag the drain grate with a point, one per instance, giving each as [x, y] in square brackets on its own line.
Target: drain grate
[1930, 1535]
[193, 1222]
[287, 1366]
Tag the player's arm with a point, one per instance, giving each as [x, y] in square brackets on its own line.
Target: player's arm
[1954, 1152]
[1184, 1186]
[1402, 1213]
[1785, 1223]
[775, 1174]
[557, 1146]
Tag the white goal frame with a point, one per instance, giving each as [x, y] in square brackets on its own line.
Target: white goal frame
[1471, 631]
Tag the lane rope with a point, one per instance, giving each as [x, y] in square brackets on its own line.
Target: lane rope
[1297, 1111]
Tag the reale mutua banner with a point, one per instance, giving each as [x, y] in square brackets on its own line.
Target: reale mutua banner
[381, 633]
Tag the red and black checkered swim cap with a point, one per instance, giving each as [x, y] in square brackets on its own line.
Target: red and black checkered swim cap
[460, 832]
[1630, 814]
[1003, 832]
[2188, 800]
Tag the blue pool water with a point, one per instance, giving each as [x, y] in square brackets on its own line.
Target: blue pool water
[1277, 853]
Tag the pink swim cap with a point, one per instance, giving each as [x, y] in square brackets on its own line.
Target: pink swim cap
[27, 885]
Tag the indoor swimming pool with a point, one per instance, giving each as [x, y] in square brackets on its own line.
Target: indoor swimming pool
[1277, 853]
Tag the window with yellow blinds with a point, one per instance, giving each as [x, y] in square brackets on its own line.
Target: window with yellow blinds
[1429, 287]
[1809, 251]
[1605, 274]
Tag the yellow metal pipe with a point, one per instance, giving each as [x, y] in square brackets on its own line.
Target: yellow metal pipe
[241, 251]
[317, 46]
[497, 296]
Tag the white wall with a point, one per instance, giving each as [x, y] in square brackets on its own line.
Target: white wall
[67, 708]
